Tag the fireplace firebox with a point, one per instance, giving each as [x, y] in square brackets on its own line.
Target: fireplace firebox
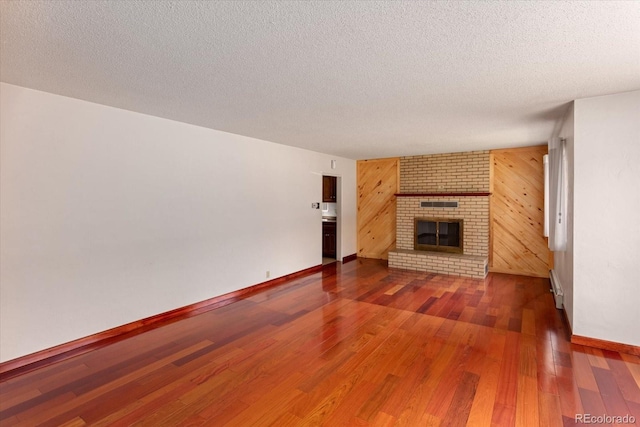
[438, 234]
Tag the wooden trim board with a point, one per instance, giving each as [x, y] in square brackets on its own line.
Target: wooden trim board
[349, 258]
[83, 345]
[597, 343]
[515, 150]
[605, 345]
[507, 271]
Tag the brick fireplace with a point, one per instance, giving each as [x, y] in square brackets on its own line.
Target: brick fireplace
[444, 186]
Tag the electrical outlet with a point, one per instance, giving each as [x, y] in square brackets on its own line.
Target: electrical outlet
[268, 274]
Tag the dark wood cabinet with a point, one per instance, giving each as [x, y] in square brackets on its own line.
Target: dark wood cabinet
[329, 239]
[329, 189]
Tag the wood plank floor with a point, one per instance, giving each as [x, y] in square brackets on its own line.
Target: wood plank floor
[358, 344]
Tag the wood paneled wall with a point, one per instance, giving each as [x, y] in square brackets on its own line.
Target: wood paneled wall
[517, 245]
[517, 212]
[378, 182]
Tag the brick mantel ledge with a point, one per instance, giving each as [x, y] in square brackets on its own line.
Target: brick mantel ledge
[472, 194]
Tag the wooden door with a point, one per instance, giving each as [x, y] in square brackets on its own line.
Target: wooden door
[517, 212]
[378, 182]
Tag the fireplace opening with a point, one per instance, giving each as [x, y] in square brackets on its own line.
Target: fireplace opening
[438, 234]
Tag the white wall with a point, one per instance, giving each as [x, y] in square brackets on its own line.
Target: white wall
[108, 216]
[607, 218]
[599, 271]
[563, 261]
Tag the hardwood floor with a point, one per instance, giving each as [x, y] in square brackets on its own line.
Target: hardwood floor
[357, 344]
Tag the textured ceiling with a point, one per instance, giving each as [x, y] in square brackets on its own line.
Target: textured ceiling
[355, 79]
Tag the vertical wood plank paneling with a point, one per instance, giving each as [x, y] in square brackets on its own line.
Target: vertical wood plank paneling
[378, 181]
[517, 212]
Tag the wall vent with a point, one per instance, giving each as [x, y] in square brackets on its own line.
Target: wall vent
[439, 204]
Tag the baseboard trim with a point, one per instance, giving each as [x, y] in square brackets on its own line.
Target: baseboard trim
[605, 345]
[597, 343]
[518, 273]
[349, 258]
[29, 362]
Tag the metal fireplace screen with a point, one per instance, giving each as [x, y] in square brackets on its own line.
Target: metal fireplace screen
[438, 234]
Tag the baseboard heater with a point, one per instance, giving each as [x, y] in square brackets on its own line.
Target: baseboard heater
[556, 289]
